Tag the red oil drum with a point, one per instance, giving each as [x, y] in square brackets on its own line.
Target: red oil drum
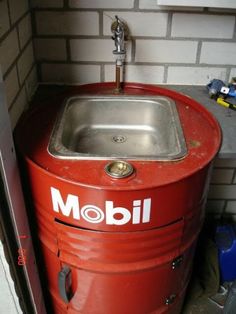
[120, 246]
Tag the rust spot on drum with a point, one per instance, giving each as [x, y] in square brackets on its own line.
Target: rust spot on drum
[194, 143]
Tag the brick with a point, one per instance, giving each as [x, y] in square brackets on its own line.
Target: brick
[152, 5]
[25, 30]
[47, 3]
[138, 73]
[17, 9]
[70, 73]
[215, 206]
[194, 75]
[9, 50]
[225, 163]
[139, 23]
[221, 10]
[95, 50]
[67, 23]
[25, 62]
[222, 192]
[218, 53]
[11, 86]
[50, 49]
[230, 207]
[166, 51]
[4, 18]
[109, 4]
[202, 25]
[31, 83]
[222, 176]
[232, 73]
[231, 218]
[213, 217]
[18, 107]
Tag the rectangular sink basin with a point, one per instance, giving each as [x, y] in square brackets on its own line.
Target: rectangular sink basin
[111, 127]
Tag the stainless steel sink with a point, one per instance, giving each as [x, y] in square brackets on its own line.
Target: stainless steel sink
[110, 127]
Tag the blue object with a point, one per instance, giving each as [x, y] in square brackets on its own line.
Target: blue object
[226, 244]
[228, 91]
[214, 87]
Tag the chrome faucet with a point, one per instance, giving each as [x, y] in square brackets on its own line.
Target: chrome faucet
[119, 28]
[119, 36]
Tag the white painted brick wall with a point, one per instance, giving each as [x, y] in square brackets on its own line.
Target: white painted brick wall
[227, 192]
[225, 163]
[215, 207]
[25, 62]
[11, 86]
[19, 106]
[140, 24]
[17, 9]
[231, 207]
[152, 5]
[202, 25]
[31, 83]
[47, 3]
[9, 50]
[195, 75]
[222, 176]
[109, 4]
[137, 73]
[95, 50]
[25, 30]
[16, 59]
[222, 194]
[70, 73]
[167, 37]
[232, 73]
[218, 53]
[4, 18]
[50, 49]
[67, 23]
[177, 51]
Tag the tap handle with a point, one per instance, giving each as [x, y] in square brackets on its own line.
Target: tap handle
[118, 20]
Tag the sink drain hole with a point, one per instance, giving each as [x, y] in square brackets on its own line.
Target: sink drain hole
[119, 138]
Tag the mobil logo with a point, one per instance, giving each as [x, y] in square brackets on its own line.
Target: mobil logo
[111, 214]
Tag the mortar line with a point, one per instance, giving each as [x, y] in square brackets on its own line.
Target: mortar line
[169, 26]
[9, 13]
[165, 75]
[102, 72]
[66, 4]
[136, 5]
[198, 55]
[100, 23]
[68, 52]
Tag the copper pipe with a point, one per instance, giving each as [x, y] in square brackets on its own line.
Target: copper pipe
[118, 85]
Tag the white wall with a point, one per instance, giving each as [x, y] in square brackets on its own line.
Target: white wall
[169, 44]
[16, 55]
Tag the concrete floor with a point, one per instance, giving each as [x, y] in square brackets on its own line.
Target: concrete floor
[8, 299]
[205, 305]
